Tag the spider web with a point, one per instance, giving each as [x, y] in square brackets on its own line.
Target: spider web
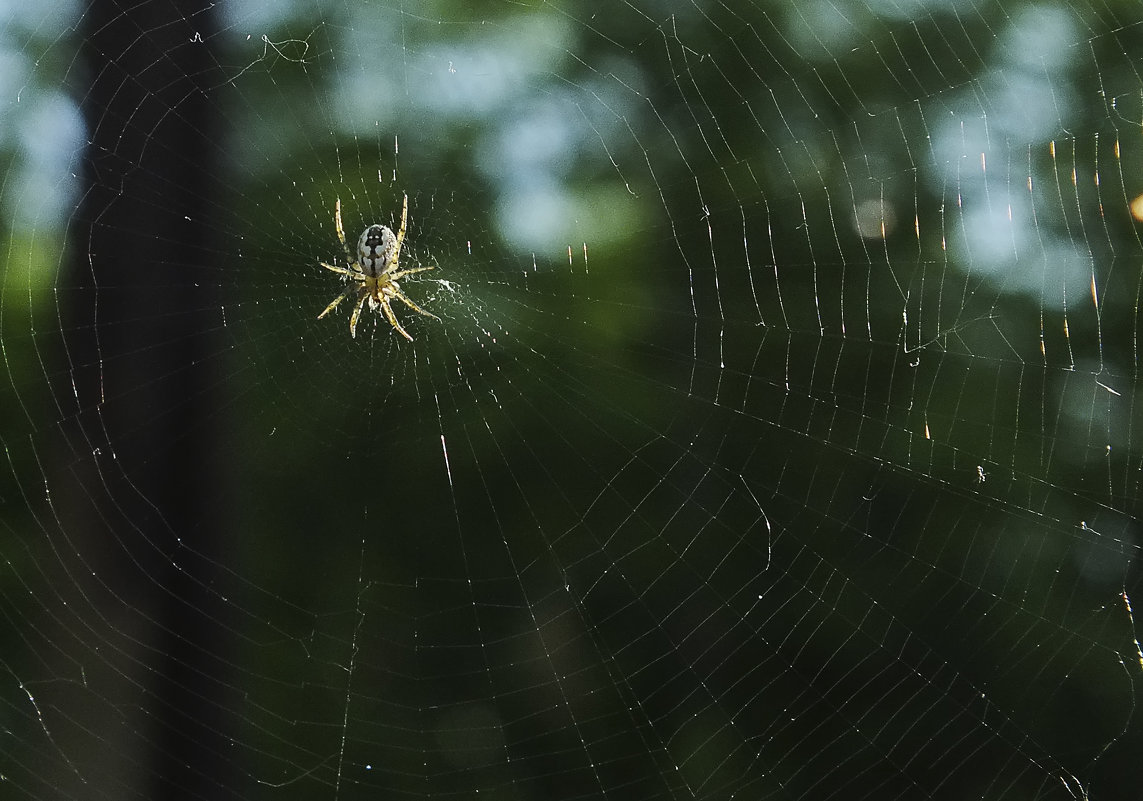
[778, 437]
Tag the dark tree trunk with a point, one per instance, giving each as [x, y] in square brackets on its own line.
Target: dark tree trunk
[143, 343]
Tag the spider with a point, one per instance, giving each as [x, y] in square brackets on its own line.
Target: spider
[374, 271]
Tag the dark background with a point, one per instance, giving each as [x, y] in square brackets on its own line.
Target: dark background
[779, 436]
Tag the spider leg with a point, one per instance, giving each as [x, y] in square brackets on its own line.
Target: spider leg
[401, 295]
[356, 314]
[393, 318]
[343, 271]
[400, 236]
[402, 273]
[341, 231]
[337, 301]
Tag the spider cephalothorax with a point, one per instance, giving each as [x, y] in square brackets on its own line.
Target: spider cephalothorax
[374, 271]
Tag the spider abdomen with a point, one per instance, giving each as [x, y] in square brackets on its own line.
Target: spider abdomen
[374, 249]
